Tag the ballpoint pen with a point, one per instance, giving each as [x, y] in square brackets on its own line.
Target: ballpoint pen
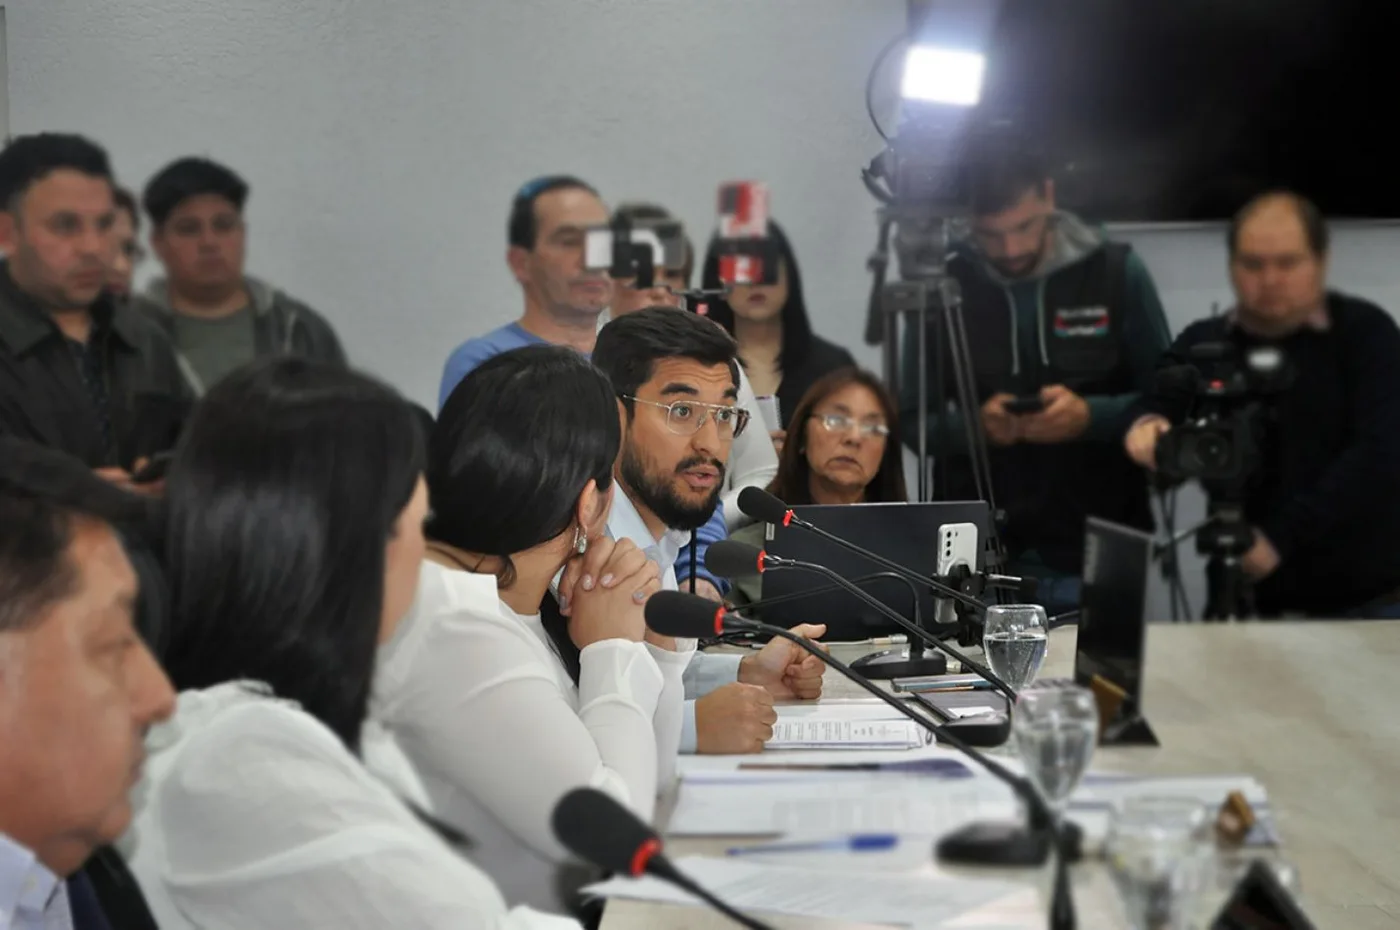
[861, 842]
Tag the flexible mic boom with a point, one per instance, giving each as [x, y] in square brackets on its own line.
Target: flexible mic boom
[759, 504]
[673, 613]
[597, 829]
[730, 558]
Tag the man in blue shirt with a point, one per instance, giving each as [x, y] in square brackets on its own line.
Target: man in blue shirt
[563, 302]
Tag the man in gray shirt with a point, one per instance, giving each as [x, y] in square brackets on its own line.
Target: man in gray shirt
[218, 317]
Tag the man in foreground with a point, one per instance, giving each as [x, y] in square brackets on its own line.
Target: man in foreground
[78, 687]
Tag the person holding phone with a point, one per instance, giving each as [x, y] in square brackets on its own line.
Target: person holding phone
[1065, 329]
[780, 354]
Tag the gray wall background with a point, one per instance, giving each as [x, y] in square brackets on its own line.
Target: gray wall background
[383, 141]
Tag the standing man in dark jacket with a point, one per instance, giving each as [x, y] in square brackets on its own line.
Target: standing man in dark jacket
[1324, 497]
[1055, 312]
[218, 317]
[78, 371]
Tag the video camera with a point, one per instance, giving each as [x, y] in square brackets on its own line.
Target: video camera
[1228, 389]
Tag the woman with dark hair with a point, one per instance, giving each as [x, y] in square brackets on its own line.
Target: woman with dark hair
[503, 704]
[844, 449]
[781, 354]
[293, 543]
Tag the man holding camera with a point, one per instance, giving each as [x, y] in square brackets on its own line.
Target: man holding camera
[1065, 329]
[1324, 496]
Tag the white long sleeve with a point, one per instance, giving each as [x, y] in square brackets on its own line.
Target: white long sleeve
[499, 733]
[753, 462]
[255, 815]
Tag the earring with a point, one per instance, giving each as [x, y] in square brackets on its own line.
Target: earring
[580, 540]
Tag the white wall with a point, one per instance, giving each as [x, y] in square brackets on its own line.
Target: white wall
[383, 141]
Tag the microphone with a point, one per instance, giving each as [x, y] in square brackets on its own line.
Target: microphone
[673, 613]
[598, 829]
[759, 504]
[732, 558]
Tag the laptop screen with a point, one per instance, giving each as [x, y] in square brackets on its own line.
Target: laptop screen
[1112, 606]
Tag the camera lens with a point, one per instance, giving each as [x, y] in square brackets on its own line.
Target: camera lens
[1211, 452]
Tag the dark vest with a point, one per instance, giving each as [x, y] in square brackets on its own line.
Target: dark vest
[1046, 491]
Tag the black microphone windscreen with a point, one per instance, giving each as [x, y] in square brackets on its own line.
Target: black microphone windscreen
[689, 616]
[731, 558]
[759, 504]
[598, 829]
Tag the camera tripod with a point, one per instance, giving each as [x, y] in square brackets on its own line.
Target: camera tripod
[1224, 539]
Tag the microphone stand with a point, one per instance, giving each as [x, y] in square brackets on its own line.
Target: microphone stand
[1043, 820]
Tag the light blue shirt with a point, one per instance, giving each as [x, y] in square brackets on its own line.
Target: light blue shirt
[473, 352]
[705, 672]
[31, 897]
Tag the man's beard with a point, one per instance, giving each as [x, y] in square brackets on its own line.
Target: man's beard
[658, 494]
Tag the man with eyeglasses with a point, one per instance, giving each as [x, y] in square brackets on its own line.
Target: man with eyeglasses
[1065, 330]
[79, 370]
[563, 303]
[218, 317]
[676, 378]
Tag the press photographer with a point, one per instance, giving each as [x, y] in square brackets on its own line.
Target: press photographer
[1319, 468]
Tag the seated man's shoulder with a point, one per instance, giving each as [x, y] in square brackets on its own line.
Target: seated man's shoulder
[1359, 311]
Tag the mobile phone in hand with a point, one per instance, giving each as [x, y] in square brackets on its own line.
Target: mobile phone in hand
[154, 469]
[1030, 403]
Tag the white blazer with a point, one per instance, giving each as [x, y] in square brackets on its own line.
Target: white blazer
[480, 702]
[252, 813]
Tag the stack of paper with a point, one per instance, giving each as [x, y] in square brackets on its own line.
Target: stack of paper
[853, 725]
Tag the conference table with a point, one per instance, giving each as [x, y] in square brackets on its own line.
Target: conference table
[1305, 707]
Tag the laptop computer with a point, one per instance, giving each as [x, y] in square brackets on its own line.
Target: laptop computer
[1113, 607]
[904, 533]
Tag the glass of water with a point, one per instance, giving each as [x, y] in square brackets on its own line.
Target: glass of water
[1056, 730]
[1014, 639]
[1159, 851]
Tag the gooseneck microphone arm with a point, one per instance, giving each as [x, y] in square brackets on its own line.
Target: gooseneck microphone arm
[759, 504]
[673, 613]
[728, 554]
[597, 828]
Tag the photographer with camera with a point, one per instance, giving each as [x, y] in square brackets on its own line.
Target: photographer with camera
[1065, 328]
[1322, 492]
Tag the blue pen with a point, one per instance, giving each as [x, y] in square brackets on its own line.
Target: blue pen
[861, 842]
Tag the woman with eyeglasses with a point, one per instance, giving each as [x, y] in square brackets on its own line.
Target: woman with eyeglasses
[293, 544]
[503, 703]
[843, 448]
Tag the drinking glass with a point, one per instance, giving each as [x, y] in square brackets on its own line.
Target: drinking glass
[1158, 851]
[1056, 730]
[1014, 639]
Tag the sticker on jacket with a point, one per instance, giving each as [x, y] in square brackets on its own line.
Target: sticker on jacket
[1081, 321]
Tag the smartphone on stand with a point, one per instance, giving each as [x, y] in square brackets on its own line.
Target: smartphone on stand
[957, 545]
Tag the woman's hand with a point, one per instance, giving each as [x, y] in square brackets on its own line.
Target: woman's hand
[611, 591]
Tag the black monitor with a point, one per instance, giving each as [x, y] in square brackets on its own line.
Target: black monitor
[904, 533]
[1113, 606]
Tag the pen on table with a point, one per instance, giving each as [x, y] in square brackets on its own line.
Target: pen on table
[861, 842]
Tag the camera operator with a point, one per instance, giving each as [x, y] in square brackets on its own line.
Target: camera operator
[1065, 329]
[1324, 498]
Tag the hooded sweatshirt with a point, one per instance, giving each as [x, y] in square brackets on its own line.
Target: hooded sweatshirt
[280, 325]
[1089, 318]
